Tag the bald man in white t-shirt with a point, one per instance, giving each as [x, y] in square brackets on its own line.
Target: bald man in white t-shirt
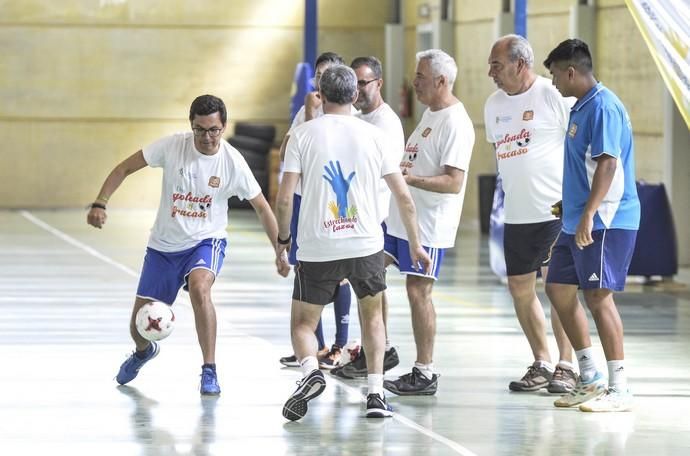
[526, 120]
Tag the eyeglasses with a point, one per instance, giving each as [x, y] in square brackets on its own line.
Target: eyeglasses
[362, 83]
[212, 132]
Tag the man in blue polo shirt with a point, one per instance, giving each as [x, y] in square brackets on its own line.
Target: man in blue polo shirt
[601, 215]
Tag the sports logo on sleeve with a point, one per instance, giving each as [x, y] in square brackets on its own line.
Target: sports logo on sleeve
[344, 215]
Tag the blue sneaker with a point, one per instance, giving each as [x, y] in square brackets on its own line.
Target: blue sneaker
[130, 368]
[209, 382]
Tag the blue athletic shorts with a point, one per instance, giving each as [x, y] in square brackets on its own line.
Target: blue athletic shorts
[292, 254]
[164, 273]
[399, 250]
[603, 264]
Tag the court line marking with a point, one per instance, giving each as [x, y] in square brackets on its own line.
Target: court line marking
[95, 253]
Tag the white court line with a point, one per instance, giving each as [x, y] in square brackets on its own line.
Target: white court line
[95, 253]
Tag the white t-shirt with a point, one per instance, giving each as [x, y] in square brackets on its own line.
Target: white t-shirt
[443, 137]
[195, 191]
[339, 224]
[387, 120]
[528, 131]
[299, 119]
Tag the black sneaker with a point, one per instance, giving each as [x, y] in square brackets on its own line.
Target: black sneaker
[377, 407]
[536, 378]
[308, 388]
[413, 384]
[354, 369]
[390, 359]
[289, 361]
[331, 358]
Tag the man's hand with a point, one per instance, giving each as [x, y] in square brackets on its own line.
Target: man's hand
[312, 102]
[282, 263]
[420, 260]
[96, 217]
[583, 233]
[557, 209]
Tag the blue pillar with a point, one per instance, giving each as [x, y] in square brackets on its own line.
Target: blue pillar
[521, 18]
[310, 31]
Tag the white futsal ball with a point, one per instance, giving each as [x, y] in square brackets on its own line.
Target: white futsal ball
[155, 321]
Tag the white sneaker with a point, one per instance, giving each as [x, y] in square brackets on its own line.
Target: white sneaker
[612, 401]
[583, 392]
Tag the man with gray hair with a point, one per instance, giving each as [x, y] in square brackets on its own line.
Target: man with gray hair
[526, 120]
[340, 161]
[434, 164]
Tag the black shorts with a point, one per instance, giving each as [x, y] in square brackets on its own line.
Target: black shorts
[527, 246]
[317, 281]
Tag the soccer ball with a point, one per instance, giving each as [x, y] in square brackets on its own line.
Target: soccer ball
[155, 321]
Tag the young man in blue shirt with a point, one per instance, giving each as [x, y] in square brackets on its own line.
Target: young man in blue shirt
[601, 215]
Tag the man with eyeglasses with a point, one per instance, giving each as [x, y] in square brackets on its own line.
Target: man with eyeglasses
[186, 248]
[313, 108]
[435, 165]
[374, 110]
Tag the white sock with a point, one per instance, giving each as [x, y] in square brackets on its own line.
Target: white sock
[541, 363]
[308, 364]
[426, 369]
[375, 382]
[617, 378]
[388, 344]
[566, 365]
[585, 360]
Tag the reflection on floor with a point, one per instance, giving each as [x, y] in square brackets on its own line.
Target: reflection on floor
[66, 292]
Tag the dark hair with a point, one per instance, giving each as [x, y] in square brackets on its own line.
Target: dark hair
[339, 84]
[205, 105]
[574, 53]
[372, 62]
[330, 57]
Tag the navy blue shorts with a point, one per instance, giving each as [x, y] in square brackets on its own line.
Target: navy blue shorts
[603, 264]
[292, 254]
[164, 273]
[399, 250]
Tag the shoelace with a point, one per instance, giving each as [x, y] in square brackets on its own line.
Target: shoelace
[531, 373]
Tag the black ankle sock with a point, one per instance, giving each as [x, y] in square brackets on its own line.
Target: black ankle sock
[210, 366]
[142, 354]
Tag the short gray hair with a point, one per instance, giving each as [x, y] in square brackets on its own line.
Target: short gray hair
[339, 84]
[441, 64]
[519, 48]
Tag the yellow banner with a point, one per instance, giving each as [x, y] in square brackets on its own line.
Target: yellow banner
[665, 26]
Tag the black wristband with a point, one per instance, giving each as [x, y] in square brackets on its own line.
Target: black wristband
[284, 241]
[97, 206]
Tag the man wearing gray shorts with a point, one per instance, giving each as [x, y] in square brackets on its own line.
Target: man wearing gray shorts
[340, 160]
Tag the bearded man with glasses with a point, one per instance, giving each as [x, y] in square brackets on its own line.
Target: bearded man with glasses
[186, 248]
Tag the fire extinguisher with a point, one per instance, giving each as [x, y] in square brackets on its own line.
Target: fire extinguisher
[404, 103]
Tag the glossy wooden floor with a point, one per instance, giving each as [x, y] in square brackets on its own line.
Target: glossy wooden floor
[66, 291]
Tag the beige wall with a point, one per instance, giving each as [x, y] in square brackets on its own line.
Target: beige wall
[82, 85]
[85, 83]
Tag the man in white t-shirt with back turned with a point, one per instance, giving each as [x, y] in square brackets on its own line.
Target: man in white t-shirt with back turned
[340, 160]
[435, 165]
[526, 120]
[201, 171]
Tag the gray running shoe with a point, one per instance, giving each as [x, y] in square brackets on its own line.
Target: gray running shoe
[536, 378]
[563, 381]
[413, 384]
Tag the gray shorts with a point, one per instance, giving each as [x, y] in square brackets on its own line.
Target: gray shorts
[316, 281]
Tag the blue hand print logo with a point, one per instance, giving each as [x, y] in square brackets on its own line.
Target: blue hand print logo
[334, 175]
